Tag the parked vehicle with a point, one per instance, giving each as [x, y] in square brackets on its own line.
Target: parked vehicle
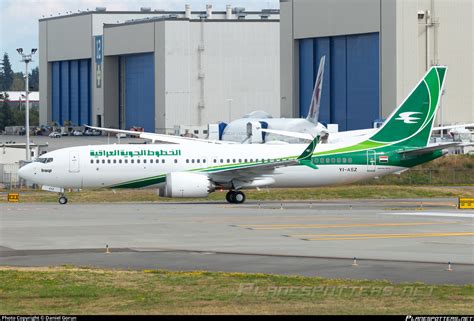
[92, 132]
[55, 135]
[77, 133]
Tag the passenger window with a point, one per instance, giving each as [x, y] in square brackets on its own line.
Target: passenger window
[175, 161]
[97, 161]
[333, 160]
[120, 161]
[198, 161]
[132, 161]
[245, 160]
[92, 161]
[344, 160]
[251, 160]
[228, 161]
[338, 160]
[328, 160]
[115, 161]
[103, 161]
[214, 160]
[187, 161]
[144, 161]
[162, 161]
[192, 160]
[350, 160]
[126, 161]
[204, 161]
[240, 160]
[233, 161]
[316, 160]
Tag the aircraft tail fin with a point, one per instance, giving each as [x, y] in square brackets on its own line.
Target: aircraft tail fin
[411, 123]
[313, 113]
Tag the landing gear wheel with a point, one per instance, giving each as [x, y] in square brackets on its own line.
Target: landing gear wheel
[239, 197]
[228, 196]
[62, 200]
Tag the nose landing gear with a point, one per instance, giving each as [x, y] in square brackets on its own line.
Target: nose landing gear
[235, 197]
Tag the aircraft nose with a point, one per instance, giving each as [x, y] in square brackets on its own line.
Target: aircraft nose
[26, 172]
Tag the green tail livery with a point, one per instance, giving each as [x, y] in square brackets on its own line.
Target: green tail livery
[403, 138]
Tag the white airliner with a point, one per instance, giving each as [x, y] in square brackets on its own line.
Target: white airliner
[187, 167]
[246, 129]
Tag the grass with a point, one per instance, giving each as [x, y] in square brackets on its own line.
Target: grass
[334, 192]
[70, 290]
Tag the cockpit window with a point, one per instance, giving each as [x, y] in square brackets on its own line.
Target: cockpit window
[44, 160]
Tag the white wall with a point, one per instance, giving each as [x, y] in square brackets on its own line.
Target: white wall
[455, 37]
[240, 61]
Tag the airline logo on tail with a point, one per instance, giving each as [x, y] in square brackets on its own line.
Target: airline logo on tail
[407, 117]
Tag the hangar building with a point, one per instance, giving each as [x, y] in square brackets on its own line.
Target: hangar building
[157, 69]
[376, 52]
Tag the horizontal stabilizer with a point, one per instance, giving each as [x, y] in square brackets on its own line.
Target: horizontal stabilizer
[428, 149]
[453, 126]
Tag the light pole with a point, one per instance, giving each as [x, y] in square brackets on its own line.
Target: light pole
[26, 59]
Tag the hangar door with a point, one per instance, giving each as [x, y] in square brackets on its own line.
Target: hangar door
[350, 94]
[137, 91]
[71, 91]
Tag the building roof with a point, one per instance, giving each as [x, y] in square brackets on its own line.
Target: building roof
[169, 14]
[17, 95]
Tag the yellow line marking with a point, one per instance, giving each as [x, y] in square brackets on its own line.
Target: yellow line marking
[318, 226]
[343, 237]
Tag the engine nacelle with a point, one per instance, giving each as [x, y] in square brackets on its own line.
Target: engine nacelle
[182, 184]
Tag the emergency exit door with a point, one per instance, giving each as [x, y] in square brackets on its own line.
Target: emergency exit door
[73, 162]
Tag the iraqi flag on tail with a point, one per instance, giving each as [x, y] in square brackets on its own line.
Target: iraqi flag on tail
[383, 159]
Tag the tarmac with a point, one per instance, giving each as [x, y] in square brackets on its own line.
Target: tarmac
[423, 240]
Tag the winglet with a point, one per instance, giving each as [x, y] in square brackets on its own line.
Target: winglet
[305, 157]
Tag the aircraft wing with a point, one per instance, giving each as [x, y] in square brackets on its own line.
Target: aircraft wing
[160, 137]
[250, 172]
[429, 149]
[256, 171]
[288, 133]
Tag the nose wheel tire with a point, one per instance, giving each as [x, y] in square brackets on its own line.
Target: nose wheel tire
[62, 200]
[235, 197]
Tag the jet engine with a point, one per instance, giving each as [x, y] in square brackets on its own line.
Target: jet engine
[182, 184]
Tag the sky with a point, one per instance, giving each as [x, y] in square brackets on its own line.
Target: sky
[19, 18]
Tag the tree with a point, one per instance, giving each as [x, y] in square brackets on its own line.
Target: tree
[6, 115]
[34, 79]
[6, 73]
[18, 83]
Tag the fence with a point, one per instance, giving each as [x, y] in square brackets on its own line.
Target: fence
[9, 176]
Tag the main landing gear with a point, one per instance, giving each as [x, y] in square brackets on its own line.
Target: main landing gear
[62, 199]
[235, 197]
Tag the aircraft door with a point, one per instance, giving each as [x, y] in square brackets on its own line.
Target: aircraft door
[371, 161]
[74, 162]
